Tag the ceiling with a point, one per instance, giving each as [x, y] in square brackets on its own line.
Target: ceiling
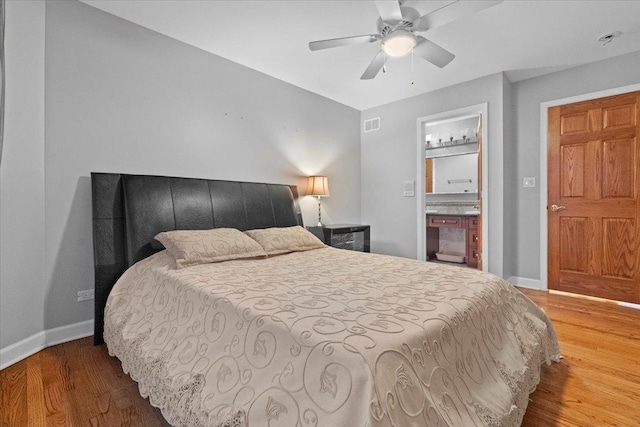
[522, 38]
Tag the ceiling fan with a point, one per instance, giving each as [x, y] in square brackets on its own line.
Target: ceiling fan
[397, 26]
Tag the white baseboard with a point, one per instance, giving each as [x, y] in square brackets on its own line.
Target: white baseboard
[524, 282]
[33, 344]
[620, 303]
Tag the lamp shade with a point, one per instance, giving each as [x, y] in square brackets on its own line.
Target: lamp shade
[318, 186]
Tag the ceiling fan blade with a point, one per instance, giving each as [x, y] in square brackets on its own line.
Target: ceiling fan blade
[389, 10]
[374, 67]
[451, 12]
[343, 41]
[433, 53]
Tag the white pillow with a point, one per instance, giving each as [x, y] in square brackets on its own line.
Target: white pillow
[191, 247]
[282, 240]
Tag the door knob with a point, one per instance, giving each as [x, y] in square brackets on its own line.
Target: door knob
[555, 208]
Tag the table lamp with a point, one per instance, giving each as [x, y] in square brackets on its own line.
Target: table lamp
[318, 186]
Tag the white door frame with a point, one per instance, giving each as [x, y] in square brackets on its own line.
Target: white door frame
[420, 184]
[544, 107]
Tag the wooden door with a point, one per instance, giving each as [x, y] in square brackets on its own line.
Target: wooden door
[593, 201]
[479, 240]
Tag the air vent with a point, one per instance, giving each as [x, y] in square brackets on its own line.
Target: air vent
[372, 125]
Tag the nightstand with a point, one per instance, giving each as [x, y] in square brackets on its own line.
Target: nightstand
[355, 237]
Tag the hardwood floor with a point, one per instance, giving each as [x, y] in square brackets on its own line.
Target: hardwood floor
[597, 383]
[73, 384]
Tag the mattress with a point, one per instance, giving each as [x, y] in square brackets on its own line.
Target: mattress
[328, 337]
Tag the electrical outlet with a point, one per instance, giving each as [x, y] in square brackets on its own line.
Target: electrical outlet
[529, 181]
[85, 295]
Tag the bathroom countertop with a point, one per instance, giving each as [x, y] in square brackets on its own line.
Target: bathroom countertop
[453, 210]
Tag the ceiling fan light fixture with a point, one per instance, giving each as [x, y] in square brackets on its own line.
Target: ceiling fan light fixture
[399, 43]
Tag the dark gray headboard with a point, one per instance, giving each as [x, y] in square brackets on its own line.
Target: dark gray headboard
[129, 210]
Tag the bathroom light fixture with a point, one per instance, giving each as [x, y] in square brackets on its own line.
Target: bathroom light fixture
[399, 43]
[318, 186]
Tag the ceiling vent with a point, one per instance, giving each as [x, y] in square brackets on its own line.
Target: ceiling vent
[372, 125]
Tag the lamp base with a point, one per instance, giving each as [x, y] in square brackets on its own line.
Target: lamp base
[320, 224]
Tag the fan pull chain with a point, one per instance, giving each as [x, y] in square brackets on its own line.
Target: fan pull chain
[384, 63]
[412, 81]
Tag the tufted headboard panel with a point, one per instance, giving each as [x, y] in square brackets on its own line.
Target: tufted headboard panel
[129, 210]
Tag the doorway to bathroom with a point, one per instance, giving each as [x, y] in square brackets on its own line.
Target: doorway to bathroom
[451, 203]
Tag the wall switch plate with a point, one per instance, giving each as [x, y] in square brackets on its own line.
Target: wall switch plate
[409, 188]
[529, 181]
[85, 295]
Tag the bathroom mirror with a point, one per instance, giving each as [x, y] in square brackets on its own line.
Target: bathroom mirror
[451, 156]
[452, 174]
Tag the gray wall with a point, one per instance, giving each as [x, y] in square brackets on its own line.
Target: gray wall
[389, 158]
[509, 177]
[527, 96]
[22, 176]
[121, 98]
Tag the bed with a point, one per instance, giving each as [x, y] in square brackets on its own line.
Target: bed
[313, 337]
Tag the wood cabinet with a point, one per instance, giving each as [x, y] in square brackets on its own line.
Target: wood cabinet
[428, 183]
[470, 226]
[448, 221]
[473, 238]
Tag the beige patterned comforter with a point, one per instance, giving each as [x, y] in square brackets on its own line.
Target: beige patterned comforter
[329, 338]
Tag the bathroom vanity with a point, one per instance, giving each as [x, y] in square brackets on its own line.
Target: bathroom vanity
[451, 235]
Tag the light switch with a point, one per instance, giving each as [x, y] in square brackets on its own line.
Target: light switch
[529, 181]
[409, 188]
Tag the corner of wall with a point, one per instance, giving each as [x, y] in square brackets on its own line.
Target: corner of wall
[22, 199]
[510, 176]
[524, 282]
[41, 340]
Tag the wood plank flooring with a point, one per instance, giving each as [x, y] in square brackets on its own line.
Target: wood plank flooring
[597, 383]
[73, 384]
